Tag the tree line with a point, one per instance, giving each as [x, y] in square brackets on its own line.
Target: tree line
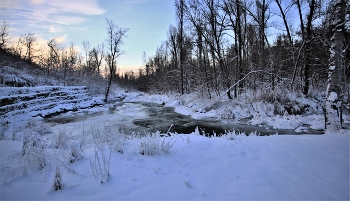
[215, 43]
[228, 45]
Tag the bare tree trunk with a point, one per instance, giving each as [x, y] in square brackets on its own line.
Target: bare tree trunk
[181, 37]
[307, 48]
[334, 92]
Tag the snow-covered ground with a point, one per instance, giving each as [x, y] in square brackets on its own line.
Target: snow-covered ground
[179, 167]
[304, 167]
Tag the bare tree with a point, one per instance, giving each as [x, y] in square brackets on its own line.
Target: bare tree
[115, 36]
[97, 55]
[179, 4]
[333, 113]
[4, 34]
[87, 46]
[308, 38]
[53, 57]
[28, 41]
[235, 11]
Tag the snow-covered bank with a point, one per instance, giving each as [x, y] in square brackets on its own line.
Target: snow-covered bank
[243, 110]
[302, 167]
[18, 104]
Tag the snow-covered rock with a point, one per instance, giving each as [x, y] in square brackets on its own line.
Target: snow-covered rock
[44, 100]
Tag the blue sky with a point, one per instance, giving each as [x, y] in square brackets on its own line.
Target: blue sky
[77, 20]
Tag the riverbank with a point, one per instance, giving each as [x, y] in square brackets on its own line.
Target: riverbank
[244, 110]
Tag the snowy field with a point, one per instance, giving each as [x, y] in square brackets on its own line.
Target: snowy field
[276, 167]
[91, 160]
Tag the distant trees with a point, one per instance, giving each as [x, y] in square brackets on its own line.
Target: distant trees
[63, 62]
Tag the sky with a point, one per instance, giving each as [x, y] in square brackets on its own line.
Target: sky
[78, 20]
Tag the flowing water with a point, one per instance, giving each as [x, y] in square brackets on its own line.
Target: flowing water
[142, 117]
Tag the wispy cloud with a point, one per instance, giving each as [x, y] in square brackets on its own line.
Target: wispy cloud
[82, 7]
[48, 14]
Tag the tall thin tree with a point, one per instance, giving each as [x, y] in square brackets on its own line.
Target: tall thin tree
[115, 36]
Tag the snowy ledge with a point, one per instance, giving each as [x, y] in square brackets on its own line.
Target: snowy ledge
[25, 102]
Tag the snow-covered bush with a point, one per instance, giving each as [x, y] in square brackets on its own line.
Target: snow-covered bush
[37, 126]
[61, 140]
[230, 135]
[155, 144]
[75, 152]
[108, 136]
[57, 183]
[113, 138]
[72, 149]
[168, 143]
[34, 152]
[234, 135]
[3, 127]
[150, 144]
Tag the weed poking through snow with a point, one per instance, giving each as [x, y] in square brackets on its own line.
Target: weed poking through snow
[57, 184]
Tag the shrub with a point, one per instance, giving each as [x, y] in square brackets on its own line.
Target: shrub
[38, 126]
[149, 144]
[75, 152]
[155, 144]
[61, 140]
[34, 152]
[3, 127]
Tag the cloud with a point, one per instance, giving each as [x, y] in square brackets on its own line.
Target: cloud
[55, 29]
[49, 15]
[81, 7]
[133, 2]
[67, 19]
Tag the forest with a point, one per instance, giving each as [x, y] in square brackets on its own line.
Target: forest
[218, 49]
[218, 43]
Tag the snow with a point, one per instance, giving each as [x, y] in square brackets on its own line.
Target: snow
[277, 167]
[332, 97]
[22, 103]
[232, 167]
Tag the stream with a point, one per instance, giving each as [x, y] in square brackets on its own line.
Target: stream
[143, 117]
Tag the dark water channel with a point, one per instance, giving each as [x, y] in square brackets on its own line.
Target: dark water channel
[150, 117]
